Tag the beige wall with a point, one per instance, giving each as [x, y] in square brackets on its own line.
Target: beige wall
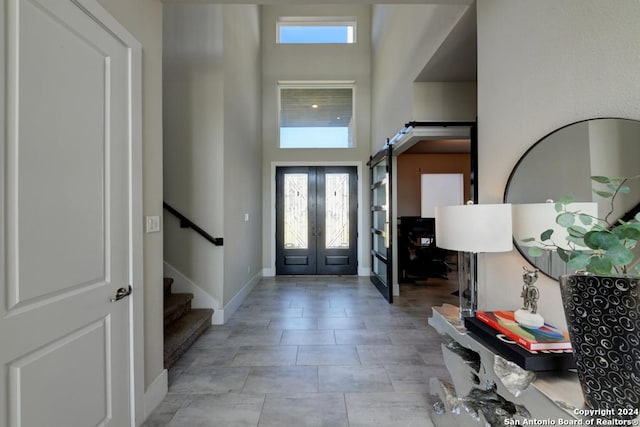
[212, 149]
[242, 149]
[322, 62]
[143, 18]
[193, 82]
[404, 38]
[542, 65]
[444, 101]
[411, 166]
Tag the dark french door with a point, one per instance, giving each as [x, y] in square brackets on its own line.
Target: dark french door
[316, 220]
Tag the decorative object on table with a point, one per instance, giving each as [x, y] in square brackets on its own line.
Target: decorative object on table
[545, 337]
[472, 229]
[528, 315]
[602, 305]
[536, 361]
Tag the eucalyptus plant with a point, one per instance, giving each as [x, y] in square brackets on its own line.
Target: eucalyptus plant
[596, 245]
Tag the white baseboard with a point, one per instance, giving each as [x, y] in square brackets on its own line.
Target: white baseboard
[269, 272]
[239, 298]
[364, 271]
[155, 393]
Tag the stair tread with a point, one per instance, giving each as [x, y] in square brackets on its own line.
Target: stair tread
[175, 306]
[180, 335]
[183, 327]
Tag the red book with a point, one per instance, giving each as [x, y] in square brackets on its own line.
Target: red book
[546, 337]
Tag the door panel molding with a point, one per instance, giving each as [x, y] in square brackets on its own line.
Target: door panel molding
[30, 385]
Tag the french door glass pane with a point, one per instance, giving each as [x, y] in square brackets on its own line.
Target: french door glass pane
[296, 217]
[380, 220]
[379, 172]
[337, 210]
[380, 196]
[379, 244]
[380, 268]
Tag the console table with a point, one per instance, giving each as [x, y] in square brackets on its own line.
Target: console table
[489, 390]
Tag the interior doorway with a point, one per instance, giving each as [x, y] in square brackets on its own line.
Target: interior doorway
[316, 220]
[424, 141]
[428, 148]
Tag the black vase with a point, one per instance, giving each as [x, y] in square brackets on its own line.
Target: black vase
[603, 318]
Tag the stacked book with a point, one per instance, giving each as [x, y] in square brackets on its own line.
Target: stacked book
[535, 349]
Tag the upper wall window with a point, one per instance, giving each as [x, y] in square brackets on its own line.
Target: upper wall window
[316, 30]
[316, 115]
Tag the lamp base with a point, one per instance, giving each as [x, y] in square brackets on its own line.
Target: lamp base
[529, 319]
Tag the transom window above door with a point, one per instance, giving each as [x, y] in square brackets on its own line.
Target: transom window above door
[316, 30]
[316, 115]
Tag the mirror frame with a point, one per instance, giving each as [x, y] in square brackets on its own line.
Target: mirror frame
[522, 249]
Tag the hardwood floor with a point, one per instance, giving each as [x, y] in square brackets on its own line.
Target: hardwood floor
[313, 351]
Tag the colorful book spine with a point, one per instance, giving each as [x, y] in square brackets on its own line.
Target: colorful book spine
[547, 337]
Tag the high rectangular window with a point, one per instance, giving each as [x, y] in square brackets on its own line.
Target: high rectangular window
[316, 116]
[316, 30]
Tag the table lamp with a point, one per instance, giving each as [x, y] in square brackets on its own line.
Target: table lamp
[473, 229]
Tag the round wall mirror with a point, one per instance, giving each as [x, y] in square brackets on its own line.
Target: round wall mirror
[562, 163]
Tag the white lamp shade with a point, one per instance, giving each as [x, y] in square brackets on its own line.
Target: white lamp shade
[532, 219]
[474, 228]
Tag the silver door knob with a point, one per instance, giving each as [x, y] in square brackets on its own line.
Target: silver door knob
[121, 293]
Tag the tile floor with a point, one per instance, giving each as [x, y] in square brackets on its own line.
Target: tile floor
[313, 351]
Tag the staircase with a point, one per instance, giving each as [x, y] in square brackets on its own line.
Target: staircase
[182, 324]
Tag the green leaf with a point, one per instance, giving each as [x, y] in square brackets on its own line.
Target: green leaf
[601, 179]
[600, 265]
[564, 255]
[637, 217]
[577, 231]
[528, 240]
[600, 240]
[605, 194]
[535, 251]
[637, 269]
[559, 207]
[578, 260]
[579, 241]
[546, 235]
[585, 219]
[624, 189]
[567, 199]
[565, 219]
[627, 231]
[619, 255]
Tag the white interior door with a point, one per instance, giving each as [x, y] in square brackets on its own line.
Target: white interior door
[66, 235]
